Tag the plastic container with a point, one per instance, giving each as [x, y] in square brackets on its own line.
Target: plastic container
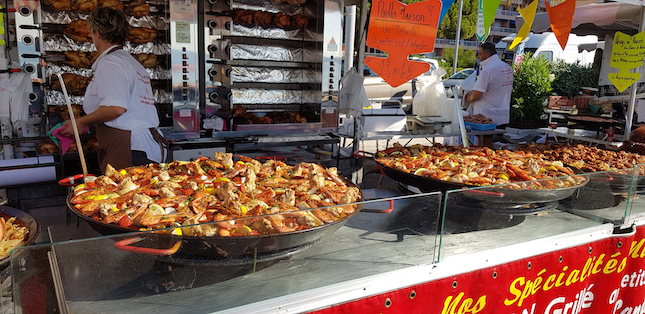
[479, 126]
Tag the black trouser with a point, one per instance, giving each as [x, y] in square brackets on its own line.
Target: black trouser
[139, 158]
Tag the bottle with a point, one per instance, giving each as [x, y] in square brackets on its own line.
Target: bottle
[573, 111]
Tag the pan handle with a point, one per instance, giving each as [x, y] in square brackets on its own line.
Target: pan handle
[72, 181]
[607, 179]
[487, 193]
[124, 245]
[362, 154]
[380, 211]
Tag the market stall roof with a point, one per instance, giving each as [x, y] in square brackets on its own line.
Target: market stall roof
[591, 47]
[595, 19]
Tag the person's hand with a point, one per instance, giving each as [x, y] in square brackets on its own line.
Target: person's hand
[69, 131]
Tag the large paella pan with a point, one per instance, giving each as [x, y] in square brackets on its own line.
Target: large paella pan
[218, 208]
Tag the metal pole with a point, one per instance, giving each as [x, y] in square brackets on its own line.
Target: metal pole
[350, 34]
[632, 91]
[363, 38]
[454, 61]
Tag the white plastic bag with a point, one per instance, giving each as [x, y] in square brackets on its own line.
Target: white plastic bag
[352, 97]
[468, 85]
[430, 99]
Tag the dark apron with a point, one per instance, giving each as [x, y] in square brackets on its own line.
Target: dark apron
[114, 144]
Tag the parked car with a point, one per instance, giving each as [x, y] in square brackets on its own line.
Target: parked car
[456, 79]
[378, 90]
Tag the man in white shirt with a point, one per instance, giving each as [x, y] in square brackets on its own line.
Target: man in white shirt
[492, 93]
[119, 98]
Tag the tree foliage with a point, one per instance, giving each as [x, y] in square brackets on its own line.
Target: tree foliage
[570, 77]
[465, 59]
[448, 27]
[531, 89]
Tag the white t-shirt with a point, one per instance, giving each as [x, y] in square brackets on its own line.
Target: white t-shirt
[495, 81]
[120, 80]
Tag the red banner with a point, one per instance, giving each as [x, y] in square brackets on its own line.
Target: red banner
[606, 276]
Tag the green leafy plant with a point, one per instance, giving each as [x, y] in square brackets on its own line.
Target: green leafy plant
[531, 89]
[570, 77]
[465, 59]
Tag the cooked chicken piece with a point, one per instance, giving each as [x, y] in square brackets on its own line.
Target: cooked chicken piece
[303, 205]
[249, 184]
[105, 209]
[264, 120]
[289, 197]
[147, 60]
[227, 194]
[243, 16]
[127, 185]
[166, 184]
[281, 20]
[64, 112]
[196, 229]
[85, 5]
[113, 174]
[140, 199]
[534, 167]
[77, 59]
[254, 166]
[164, 176]
[59, 5]
[79, 30]
[299, 21]
[263, 226]
[262, 18]
[350, 196]
[317, 180]
[105, 181]
[114, 4]
[193, 185]
[142, 35]
[139, 8]
[459, 178]
[166, 192]
[93, 55]
[224, 158]
[399, 166]
[75, 84]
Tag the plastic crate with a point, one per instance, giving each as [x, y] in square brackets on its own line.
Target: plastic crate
[479, 126]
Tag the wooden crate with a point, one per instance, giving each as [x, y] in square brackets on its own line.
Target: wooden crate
[558, 103]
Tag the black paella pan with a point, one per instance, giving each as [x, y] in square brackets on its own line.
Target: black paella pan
[501, 195]
[210, 248]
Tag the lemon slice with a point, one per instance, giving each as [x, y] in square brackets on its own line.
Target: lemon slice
[222, 180]
[243, 230]
[78, 187]
[155, 209]
[419, 171]
[176, 231]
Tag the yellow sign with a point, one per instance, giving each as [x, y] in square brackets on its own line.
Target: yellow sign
[623, 79]
[627, 53]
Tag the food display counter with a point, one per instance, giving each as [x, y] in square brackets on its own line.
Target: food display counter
[405, 251]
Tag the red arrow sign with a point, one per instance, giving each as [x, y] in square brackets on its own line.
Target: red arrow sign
[401, 30]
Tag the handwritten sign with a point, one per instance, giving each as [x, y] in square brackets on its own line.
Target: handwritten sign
[627, 53]
[623, 79]
[401, 30]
